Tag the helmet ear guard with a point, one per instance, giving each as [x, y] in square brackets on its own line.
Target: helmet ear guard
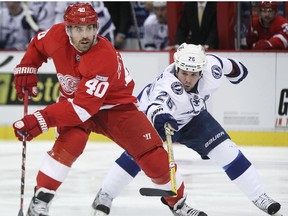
[190, 57]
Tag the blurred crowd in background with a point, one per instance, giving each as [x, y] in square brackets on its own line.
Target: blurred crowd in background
[158, 25]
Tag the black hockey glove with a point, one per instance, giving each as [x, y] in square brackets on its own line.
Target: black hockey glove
[159, 122]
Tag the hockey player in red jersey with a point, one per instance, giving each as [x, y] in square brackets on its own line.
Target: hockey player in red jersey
[96, 96]
[269, 30]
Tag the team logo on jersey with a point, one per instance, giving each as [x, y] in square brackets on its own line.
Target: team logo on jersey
[216, 71]
[177, 88]
[68, 83]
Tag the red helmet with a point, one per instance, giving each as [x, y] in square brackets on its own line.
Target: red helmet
[268, 4]
[80, 14]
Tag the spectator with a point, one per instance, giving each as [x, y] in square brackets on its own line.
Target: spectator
[44, 13]
[268, 30]
[16, 26]
[106, 28]
[121, 15]
[149, 6]
[140, 11]
[156, 28]
[198, 27]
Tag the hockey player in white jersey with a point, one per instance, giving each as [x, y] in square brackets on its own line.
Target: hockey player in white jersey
[155, 28]
[44, 12]
[16, 29]
[170, 99]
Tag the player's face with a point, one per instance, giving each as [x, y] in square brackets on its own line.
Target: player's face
[14, 7]
[161, 14]
[267, 15]
[188, 79]
[82, 36]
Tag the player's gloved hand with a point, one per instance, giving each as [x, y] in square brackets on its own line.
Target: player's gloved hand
[25, 78]
[251, 38]
[31, 126]
[164, 119]
[262, 44]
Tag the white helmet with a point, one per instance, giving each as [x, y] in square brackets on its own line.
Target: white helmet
[159, 3]
[190, 57]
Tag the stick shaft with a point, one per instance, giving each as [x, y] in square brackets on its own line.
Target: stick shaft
[136, 25]
[23, 158]
[171, 159]
[251, 17]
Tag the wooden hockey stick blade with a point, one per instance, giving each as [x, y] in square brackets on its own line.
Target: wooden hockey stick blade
[155, 192]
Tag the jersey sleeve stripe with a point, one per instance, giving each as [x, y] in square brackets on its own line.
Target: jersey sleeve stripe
[220, 61]
[82, 113]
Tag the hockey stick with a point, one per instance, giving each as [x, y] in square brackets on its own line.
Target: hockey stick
[29, 18]
[6, 61]
[136, 25]
[20, 213]
[171, 160]
[251, 17]
[173, 191]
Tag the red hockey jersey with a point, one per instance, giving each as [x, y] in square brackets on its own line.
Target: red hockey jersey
[276, 34]
[91, 81]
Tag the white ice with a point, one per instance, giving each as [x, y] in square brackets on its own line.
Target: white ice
[207, 186]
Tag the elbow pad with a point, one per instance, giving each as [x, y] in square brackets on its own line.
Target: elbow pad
[241, 72]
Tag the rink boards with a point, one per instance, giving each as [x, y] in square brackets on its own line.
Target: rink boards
[249, 138]
[255, 112]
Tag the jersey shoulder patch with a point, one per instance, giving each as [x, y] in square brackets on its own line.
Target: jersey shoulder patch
[177, 88]
[216, 71]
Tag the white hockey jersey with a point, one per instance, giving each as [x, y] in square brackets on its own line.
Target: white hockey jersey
[167, 94]
[44, 13]
[15, 33]
[155, 34]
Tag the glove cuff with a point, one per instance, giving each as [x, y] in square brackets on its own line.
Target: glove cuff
[24, 70]
[152, 113]
[40, 116]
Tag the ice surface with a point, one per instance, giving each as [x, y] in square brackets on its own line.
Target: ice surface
[207, 186]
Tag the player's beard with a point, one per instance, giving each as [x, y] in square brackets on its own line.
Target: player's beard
[84, 44]
[162, 19]
[188, 88]
[266, 21]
